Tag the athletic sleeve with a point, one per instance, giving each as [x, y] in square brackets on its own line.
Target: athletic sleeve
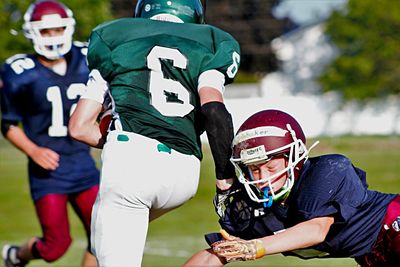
[9, 95]
[96, 87]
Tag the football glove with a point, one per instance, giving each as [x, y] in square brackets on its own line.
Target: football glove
[236, 249]
[221, 198]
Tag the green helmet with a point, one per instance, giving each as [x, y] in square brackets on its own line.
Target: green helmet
[187, 11]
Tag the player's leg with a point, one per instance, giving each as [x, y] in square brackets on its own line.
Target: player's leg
[177, 179]
[120, 222]
[119, 234]
[386, 250]
[18, 256]
[53, 217]
[396, 248]
[82, 203]
[138, 173]
[52, 213]
[394, 232]
[89, 260]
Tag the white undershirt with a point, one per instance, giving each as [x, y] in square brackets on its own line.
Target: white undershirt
[60, 68]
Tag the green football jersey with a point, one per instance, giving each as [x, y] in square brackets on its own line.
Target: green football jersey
[153, 67]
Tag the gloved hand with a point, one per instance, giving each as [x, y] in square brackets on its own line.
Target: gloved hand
[236, 249]
[221, 198]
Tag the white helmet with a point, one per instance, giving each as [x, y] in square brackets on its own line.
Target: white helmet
[47, 14]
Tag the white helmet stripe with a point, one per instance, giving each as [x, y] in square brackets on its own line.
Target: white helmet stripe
[259, 132]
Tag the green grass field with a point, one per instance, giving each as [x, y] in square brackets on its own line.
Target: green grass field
[179, 234]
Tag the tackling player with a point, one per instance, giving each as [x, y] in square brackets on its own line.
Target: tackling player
[310, 208]
[166, 73]
[40, 91]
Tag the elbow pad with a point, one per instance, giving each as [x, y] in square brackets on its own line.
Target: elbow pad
[219, 129]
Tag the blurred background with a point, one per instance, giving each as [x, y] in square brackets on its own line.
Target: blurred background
[333, 64]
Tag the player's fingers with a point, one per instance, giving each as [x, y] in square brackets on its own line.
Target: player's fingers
[47, 159]
[48, 164]
[52, 155]
[52, 159]
[227, 236]
[229, 253]
[225, 247]
[52, 165]
[45, 164]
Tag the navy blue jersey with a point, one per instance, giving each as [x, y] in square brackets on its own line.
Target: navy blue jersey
[42, 101]
[328, 185]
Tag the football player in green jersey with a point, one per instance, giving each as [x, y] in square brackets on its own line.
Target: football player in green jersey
[165, 71]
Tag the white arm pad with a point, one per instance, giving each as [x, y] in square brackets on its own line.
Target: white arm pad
[212, 78]
[96, 87]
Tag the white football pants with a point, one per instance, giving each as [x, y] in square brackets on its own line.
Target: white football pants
[141, 179]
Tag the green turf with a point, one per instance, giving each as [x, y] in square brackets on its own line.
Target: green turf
[177, 235]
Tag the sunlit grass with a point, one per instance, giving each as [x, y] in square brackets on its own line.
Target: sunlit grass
[177, 235]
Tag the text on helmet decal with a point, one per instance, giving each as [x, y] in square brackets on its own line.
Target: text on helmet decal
[259, 132]
[253, 154]
[166, 17]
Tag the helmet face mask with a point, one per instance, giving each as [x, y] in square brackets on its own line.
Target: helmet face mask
[179, 11]
[44, 15]
[263, 136]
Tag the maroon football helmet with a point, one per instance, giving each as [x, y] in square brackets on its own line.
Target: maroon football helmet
[47, 14]
[262, 136]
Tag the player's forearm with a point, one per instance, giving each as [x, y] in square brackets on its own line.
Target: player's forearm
[300, 236]
[19, 139]
[219, 128]
[204, 258]
[88, 134]
[83, 124]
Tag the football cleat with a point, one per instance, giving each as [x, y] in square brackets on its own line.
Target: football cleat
[10, 259]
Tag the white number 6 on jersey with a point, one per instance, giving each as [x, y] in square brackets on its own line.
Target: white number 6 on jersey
[160, 86]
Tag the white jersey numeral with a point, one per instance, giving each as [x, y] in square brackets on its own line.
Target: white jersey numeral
[22, 64]
[233, 69]
[57, 127]
[161, 87]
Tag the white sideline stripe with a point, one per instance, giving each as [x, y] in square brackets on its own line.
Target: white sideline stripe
[163, 247]
[167, 252]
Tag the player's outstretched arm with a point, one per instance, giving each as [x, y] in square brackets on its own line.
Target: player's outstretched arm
[302, 235]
